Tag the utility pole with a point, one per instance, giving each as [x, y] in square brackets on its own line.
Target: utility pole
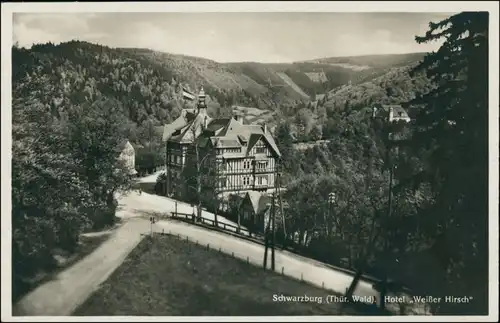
[383, 287]
[332, 197]
[266, 240]
[167, 180]
[280, 201]
[273, 241]
[271, 225]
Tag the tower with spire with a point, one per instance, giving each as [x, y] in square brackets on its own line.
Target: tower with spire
[202, 104]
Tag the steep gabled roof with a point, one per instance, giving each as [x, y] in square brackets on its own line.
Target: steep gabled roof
[185, 133]
[248, 132]
[259, 202]
[254, 138]
[228, 131]
[217, 124]
[228, 142]
[187, 115]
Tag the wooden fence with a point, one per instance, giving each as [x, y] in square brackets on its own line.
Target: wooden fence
[219, 225]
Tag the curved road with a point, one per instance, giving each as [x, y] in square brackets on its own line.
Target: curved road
[74, 285]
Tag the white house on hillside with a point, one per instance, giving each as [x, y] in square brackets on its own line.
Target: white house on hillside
[393, 113]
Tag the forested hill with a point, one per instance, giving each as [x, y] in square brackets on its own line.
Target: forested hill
[145, 82]
[394, 87]
[148, 83]
[353, 103]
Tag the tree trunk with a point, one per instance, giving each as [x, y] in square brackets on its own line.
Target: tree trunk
[301, 238]
[350, 253]
[364, 261]
[239, 221]
[216, 209]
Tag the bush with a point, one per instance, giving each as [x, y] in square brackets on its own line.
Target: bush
[161, 184]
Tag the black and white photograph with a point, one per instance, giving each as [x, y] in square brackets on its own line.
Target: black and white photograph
[250, 161]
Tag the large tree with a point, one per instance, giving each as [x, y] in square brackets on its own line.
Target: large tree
[46, 194]
[64, 173]
[452, 127]
[95, 132]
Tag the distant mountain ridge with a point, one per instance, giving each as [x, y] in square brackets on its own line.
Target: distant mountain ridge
[148, 82]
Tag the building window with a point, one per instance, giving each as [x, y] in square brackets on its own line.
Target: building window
[246, 164]
[262, 180]
[262, 165]
[246, 180]
[233, 150]
[260, 150]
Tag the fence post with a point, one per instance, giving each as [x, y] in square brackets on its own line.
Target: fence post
[301, 277]
[162, 231]
[232, 254]
[187, 238]
[219, 249]
[282, 270]
[248, 261]
[208, 246]
[323, 284]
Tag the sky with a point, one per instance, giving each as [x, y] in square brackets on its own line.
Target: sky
[269, 37]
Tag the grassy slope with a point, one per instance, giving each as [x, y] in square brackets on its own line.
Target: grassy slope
[170, 277]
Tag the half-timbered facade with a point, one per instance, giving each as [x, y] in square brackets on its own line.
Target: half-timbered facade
[231, 157]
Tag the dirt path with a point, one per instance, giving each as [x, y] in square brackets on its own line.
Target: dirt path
[70, 288]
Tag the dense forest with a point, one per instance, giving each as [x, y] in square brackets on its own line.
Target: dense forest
[73, 103]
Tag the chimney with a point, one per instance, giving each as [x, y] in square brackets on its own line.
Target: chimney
[265, 128]
[205, 122]
[236, 116]
[374, 112]
[391, 114]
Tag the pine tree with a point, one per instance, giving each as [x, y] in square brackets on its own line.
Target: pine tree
[452, 126]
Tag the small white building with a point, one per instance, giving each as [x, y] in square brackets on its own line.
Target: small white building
[127, 155]
[393, 113]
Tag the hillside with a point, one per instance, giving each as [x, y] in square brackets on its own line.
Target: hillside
[354, 102]
[371, 61]
[148, 83]
[394, 87]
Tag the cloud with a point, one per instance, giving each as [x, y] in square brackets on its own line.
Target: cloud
[26, 36]
[29, 29]
[234, 36]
